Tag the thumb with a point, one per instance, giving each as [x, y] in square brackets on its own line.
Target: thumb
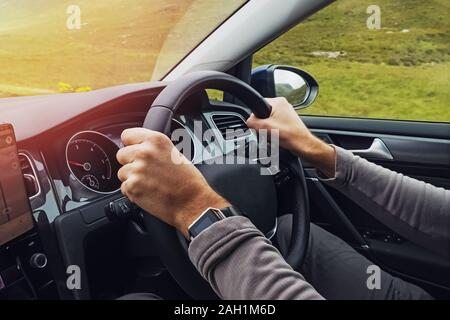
[254, 122]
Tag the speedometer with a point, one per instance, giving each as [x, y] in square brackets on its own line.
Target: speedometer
[91, 158]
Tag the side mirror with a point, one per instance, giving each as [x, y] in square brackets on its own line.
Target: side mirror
[296, 85]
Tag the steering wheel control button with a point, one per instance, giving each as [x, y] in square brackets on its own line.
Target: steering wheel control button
[38, 261]
[121, 209]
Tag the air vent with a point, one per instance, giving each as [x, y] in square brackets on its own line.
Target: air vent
[29, 175]
[230, 126]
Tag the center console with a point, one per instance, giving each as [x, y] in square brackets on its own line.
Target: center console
[25, 271]
[24, 265]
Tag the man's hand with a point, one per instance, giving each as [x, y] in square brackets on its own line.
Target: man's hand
[295, 136]
[160, 180]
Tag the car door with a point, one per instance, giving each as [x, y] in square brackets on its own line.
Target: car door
[383, 74]
[419, 150]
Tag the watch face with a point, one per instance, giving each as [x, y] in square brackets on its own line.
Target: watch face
[209, 217]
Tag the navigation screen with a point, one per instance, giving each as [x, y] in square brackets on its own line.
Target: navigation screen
[15, 211]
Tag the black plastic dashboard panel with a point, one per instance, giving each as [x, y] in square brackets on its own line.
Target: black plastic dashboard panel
[72, 229]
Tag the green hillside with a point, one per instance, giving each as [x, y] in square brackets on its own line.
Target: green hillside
[119, 41]
[401, 71]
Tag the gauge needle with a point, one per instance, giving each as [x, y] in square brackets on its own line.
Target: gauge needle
[76, 164]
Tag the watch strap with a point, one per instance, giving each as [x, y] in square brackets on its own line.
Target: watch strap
[232, 211]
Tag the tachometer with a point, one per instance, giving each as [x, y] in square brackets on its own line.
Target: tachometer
[91, 158]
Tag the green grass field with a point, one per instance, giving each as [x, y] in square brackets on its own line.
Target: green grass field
[119, 41]
[401, 71]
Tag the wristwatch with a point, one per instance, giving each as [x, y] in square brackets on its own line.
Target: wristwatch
[209, 217]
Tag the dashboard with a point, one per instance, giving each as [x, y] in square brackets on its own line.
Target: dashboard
[82, 164]
[69, 164]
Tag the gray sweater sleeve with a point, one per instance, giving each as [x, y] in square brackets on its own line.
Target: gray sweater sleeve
[240, 263]
[414, 209]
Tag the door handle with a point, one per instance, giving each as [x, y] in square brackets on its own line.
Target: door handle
[377, 150]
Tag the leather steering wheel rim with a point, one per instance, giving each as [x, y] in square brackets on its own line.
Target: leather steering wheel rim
[172, 253]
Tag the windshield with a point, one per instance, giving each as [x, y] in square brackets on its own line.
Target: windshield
[54, 46]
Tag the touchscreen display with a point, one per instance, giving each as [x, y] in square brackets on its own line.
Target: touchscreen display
[15, 211]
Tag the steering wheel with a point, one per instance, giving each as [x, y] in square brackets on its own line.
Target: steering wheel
[261, 197]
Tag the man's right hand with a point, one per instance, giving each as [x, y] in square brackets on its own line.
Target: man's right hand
[295, 136]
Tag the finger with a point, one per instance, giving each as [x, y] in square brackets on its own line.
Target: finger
[132, 188]
[178, 158]
[277, 101]
[127, 154]
[255, 123]
[124, 172]
[124, 190]
[273, 102]
[134, 135]
[278, 104]
[251, 120]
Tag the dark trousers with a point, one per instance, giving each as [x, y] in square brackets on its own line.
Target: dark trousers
[335, 270]
[339, 272]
